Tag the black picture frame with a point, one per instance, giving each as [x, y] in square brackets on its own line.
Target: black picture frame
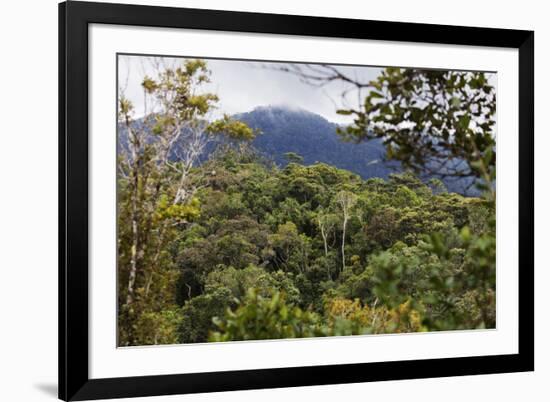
[74, 381]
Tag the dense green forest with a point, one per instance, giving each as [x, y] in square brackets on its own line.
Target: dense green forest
[239, 248]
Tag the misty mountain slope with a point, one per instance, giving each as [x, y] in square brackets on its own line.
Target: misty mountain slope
[285, 129]
[315, 139]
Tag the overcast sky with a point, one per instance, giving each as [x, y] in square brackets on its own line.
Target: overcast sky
[244, 85]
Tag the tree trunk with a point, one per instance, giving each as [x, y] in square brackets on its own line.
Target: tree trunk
[134, 218]
[324, 235]
[344, 242]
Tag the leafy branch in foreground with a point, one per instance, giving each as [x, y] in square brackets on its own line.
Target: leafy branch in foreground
[437, 122]
[237, 248]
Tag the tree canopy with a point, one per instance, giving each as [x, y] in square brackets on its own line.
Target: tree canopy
[237, 248]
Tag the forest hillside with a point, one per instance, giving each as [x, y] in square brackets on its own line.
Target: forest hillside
[264, 226]
[339, 255]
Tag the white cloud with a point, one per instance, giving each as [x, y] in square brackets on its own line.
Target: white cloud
[244, 85]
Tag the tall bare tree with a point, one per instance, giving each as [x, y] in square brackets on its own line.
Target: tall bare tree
[345, 200]
[326, 224]
[157, 155]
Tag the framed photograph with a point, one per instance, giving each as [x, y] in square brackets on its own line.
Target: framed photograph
[258, 200]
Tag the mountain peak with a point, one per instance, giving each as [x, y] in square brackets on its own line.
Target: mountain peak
[278, 111]
[282, 107]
